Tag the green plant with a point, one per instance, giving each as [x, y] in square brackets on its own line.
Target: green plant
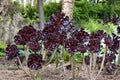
[2, 48]
[84, 10]
[30, 13]
[51, 8]
[38, 78]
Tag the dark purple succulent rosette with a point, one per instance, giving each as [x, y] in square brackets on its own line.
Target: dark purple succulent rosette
[111, 68]
[105, 21]
[110, 57]
[35, 61]
[94, 45]
[62, 22]
[78, 39]
[115, 19]
[81, 35]
[115, 45]
[11, 52]
[71, 45]
[35, 46]
[108, 41]
[112, 43]
[51, 41]
[82, 48]
[27, 34]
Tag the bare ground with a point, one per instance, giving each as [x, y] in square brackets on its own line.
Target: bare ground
[8, 71]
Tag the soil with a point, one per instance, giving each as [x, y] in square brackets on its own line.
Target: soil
[9, 71]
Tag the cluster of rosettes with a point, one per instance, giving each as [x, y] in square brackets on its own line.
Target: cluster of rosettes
[56, 31]
[35, 61]
[26, 36]
[60, 31]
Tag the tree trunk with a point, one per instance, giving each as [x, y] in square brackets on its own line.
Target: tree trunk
[67, 7]
[25, 3]
[41, 14]
[32, 2]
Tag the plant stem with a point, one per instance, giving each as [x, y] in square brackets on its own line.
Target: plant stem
[63, 58]
[26, 53]
[51, 58]
[91, 62]
[94, 58]
[73, 67]
[43, 52]
[22, 66]
[32, 75]
[56, 60]
[102, 64]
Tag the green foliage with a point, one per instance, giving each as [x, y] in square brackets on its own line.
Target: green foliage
[93, 25]
[84, 10]
[2, 48]
[78, 57]
[30, 13]
[51, 8]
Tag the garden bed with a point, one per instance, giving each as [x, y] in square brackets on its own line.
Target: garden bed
[8, 71]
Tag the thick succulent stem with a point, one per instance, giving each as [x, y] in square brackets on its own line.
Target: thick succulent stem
[43, 52]
[51, 58]
[32, 74]
[73, 67]
[63, 57]
[102, 64]
[22, 66]
[26, 53]
[56, 60]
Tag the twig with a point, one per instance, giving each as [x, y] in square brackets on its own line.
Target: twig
[51, 58]
[22, 66]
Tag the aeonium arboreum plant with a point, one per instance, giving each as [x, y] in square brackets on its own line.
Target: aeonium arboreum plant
[29, 38]
[50, 38]
[59, 34]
